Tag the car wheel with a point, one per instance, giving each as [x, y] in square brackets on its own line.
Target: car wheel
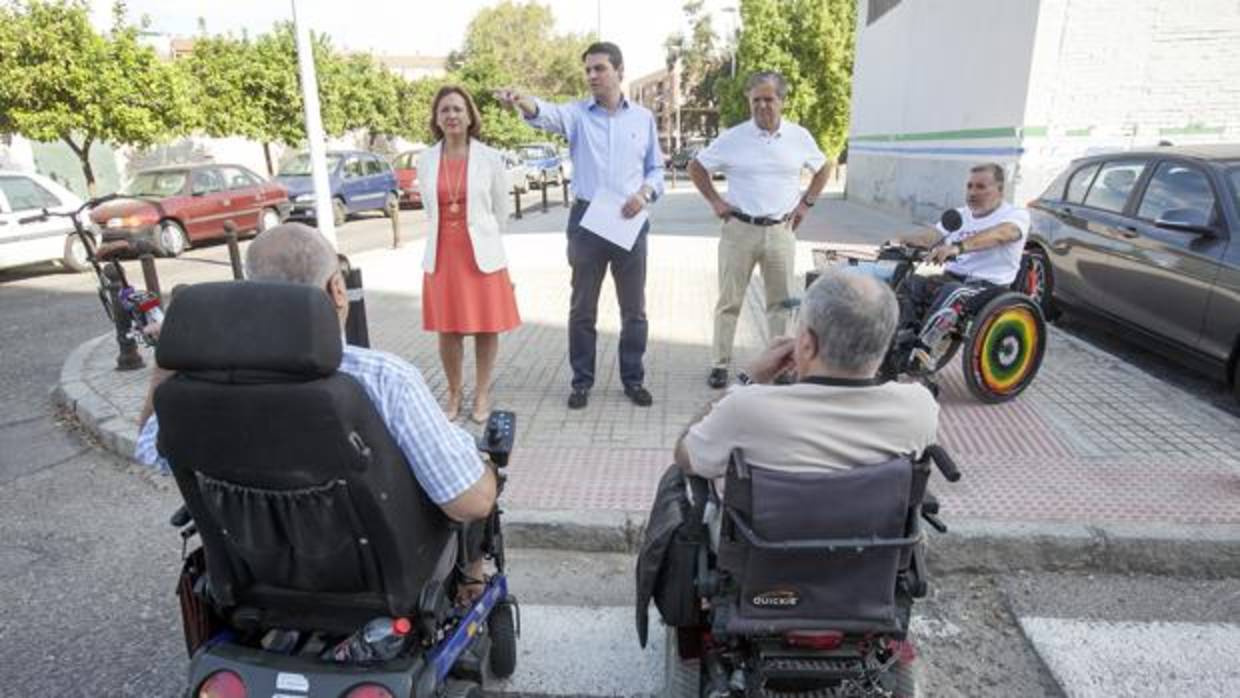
[1035, 280]
[1235, 380]
[390, 204]
[268, 219]
[171, 239]
[76, 258]
[339, 214]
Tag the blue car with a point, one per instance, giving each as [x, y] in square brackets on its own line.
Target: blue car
[541, 159]
[359, 181]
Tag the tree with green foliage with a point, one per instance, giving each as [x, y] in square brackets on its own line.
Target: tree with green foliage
[702, 66]
[62, 80]
[515, 44]
[811, 43]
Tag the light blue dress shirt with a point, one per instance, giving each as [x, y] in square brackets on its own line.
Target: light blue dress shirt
[619, 151]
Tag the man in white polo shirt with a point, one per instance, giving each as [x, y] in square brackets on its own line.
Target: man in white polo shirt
[763, 159]
[984, 251]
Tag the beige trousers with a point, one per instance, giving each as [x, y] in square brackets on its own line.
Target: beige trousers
[741, 246]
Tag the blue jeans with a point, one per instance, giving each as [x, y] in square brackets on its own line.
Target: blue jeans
[589, 256]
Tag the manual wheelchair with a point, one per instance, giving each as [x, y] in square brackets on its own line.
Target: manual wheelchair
[1002, 331]
[310, 521]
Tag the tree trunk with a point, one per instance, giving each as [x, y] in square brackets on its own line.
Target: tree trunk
[271, 171]
[83, 153]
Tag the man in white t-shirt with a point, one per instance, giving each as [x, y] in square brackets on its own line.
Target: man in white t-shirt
[763, 159]
[984, 251]
[838, 415]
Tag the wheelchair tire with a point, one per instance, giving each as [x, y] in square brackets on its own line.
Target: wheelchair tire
[904, 680]
[503, 628]
[461, 689]
[1004, 348]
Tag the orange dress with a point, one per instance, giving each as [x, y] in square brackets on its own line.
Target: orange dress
[458, 297]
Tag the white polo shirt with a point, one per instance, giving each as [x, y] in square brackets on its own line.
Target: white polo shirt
[999, 264]
[763, 168]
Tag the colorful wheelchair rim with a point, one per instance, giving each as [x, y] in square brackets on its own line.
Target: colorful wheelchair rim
[1006, 350]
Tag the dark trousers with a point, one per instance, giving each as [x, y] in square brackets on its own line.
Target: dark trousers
[924, 294]
[590, 256]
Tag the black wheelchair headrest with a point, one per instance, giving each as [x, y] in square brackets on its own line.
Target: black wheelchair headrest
[251, 326]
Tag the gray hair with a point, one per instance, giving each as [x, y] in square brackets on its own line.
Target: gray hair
[995, 170]
[854, 316]
[291, 252]
[772, 76]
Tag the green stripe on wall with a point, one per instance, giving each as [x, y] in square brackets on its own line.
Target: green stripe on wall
[1079, 131]
[961, 135]
[1192, 130]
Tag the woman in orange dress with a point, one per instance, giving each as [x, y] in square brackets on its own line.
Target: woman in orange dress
[465, 288]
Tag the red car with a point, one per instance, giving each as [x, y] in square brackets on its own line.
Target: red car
[176, 207]
[406, 167]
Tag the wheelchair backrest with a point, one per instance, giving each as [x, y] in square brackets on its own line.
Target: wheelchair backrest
[308, 512]
[818, 549]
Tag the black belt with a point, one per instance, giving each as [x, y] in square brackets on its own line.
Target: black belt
[760, 220]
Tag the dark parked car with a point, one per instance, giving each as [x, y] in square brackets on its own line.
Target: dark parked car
[1149, 239]
[175, 207]
[359, 181]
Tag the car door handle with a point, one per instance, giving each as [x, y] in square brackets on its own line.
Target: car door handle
[1128, 231]
[227, 202]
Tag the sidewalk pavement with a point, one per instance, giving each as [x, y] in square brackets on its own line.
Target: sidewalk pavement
[1096, 466]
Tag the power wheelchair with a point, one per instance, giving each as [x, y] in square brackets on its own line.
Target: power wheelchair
[810, 590]
[310, 520]
[1001, 329]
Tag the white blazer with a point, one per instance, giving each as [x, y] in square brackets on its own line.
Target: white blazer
[487, 205]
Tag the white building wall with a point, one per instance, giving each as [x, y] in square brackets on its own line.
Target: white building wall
[1119, 74]
[937, 87]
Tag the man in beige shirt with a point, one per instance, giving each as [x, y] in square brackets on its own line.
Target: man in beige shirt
[837, 415]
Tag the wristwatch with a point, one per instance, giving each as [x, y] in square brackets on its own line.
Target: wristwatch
[743, 378]
[807, 202]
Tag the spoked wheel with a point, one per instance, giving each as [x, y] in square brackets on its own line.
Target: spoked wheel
[503, 627]
[1004, 348]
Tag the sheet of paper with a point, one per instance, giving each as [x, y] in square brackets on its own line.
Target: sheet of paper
[604, 219]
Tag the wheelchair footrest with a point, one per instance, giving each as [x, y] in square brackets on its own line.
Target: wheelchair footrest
[822, 668]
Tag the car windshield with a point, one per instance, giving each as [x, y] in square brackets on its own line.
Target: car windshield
[533, 152]
[299, 166]
[157, 184]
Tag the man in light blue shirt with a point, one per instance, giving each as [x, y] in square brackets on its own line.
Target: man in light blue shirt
[614, 146]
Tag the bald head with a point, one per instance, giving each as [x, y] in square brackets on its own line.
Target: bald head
[853, 316]
[291, 252]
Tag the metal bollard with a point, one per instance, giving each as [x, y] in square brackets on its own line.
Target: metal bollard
[127, 357]
[234, 251]
[516, 201]
[356, 331]
[543, 188]
[564, 186]
[149, 275]
[395, 216]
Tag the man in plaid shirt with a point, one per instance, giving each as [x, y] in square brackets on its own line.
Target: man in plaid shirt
[443, 457]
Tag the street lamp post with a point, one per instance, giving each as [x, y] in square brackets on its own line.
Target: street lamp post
[323, 213]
